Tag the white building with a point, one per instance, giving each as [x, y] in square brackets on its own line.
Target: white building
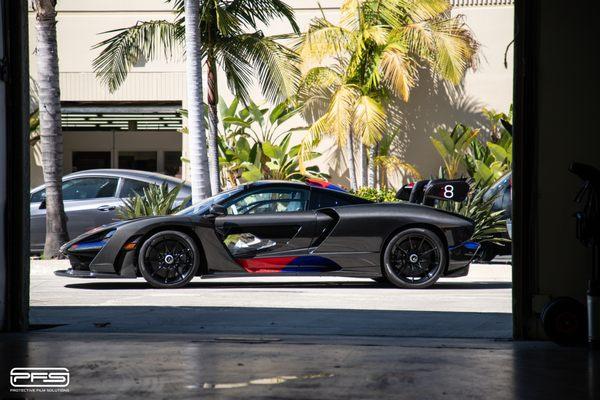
[136, 127]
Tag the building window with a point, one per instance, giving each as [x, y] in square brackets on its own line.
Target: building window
[83, 160]
[173, 163]
[140, 160]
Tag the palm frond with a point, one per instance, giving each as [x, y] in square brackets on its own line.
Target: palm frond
[312, 140]
[318, 82]
[264, 11]
[394, 164]
[323, 39]
[339, 116]
[351, 17]
[396, 13]
[275, 65]
[446, 44]
[237, 70]
[369, 120]
[398, 70]
[128, 45]
[377, 33]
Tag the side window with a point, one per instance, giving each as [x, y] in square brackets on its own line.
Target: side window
[89, 188]
[324, 199]
[269, 201]
[38, 196]
[131, 187]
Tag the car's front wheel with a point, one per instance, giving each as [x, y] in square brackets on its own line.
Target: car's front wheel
[169, 259]
[414, 258]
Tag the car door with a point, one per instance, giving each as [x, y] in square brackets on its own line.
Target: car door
[267, 229]
[89, 202]
[37, 226]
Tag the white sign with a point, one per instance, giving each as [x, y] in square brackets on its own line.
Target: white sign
[39, 377]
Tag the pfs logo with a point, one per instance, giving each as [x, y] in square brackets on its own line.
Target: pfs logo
[40, 378]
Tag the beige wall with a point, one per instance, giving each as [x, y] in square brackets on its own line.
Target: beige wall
[80, 22]
[79, 28]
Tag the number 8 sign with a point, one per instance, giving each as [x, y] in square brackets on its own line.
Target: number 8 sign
[453, 190]
[449, 191]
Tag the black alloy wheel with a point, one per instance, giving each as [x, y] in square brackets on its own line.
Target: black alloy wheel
[169, 259]
[414, 259]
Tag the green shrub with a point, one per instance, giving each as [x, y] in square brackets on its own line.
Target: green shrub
[155, 200]
[377, 195]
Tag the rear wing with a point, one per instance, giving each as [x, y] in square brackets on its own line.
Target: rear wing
[428, 191]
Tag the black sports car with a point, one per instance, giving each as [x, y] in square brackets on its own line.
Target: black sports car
[269, 227]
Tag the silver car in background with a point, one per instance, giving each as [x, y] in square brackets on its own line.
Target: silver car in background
[91, 199]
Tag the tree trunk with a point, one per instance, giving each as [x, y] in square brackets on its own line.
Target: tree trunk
[50, 126]
[351, 162]
[362, 156]
[372, 167]
[213, 129]
[197, 136]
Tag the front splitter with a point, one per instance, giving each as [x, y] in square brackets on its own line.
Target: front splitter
[75, 273]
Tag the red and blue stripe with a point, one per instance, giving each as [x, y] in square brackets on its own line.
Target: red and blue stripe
[299, 264]
[323, 184]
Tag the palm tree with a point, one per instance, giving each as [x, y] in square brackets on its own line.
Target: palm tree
[229, 38]
[196, 130]
[50, 126]
[374, 53]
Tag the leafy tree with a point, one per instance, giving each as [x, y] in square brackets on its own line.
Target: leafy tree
[230, 38]
[376, 51]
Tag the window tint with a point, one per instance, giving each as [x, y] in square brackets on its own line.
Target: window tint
[38, 196]
[89, 188]
[323, 199]
[269, 201]
[131, 187]
[82, 189]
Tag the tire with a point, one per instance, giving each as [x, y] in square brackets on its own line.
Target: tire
[414, 259]
[488, 253]
[169, 259]
[565, 321]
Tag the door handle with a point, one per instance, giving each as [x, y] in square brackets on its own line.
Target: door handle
[106, 208]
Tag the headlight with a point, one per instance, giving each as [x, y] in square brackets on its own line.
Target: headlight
[92, 243]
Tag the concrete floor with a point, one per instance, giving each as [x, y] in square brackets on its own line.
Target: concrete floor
[194, 366]
[478, 305]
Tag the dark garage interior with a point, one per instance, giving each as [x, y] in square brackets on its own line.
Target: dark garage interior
[555, 103]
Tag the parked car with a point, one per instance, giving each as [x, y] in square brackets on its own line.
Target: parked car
[503, 192]
[273, 227]
[91, 199]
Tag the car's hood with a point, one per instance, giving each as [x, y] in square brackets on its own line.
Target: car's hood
[99, 229]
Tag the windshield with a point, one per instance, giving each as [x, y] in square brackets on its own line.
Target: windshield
[204, 205]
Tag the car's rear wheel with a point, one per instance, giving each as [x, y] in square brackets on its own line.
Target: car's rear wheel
[414, 259]
[169, 259]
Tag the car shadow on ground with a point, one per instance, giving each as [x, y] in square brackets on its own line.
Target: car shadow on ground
[272, 321]
[140, 284]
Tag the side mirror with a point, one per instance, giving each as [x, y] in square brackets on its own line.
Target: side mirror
[43, 204]
[217, 210]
